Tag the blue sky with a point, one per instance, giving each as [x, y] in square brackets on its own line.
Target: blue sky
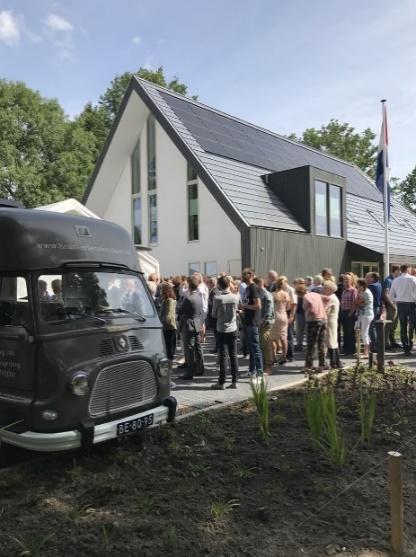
[285, 65]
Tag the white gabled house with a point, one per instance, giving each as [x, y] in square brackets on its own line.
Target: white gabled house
[144, 183]
[209, 192]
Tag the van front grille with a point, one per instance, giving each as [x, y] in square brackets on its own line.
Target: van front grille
[121, 387]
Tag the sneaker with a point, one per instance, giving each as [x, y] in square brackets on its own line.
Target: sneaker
[282, 361]
[246, 374]
[218, 386]
[232, 386]
[172, 385]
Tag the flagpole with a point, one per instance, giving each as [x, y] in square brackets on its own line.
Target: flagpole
[385, 196]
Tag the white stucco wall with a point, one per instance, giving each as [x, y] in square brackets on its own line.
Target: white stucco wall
[219, 239]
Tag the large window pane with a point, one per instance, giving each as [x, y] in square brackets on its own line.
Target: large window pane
[153, 219]
[135, 170]
[321, 218]
[193, 212]
[81, 296]
[335, 213]
[211, 268]
[137, 220]
[14, 307]
[151, 153]
[194, 268]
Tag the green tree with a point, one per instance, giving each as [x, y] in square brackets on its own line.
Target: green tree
[110, 101]
[44, 157]
[406, 191]
[341, 140]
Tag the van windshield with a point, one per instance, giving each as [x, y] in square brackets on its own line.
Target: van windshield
[85, 294]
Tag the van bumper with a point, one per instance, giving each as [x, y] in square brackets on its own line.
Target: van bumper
[66, 440]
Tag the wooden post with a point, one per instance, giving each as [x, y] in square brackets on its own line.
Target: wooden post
[358, 344]
[396, 501]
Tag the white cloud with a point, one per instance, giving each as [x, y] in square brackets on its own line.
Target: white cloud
[136, 40]
[9, 28]
[58, 23]
[59, 31]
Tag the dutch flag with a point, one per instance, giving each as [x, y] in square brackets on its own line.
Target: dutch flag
[382, 170]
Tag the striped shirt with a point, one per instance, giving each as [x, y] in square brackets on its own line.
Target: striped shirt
[348, 298]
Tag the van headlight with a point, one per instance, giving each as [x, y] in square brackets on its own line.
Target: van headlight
[79, 383]
[165, 366]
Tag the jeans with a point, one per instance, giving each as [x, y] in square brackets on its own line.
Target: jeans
[373, 332]
[300, 329]
[227, 341]
[290, 336]
[348, 336]
[407, 318]
[251, 333]
[315, 333]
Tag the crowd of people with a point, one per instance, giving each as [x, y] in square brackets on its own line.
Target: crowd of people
[272, 319]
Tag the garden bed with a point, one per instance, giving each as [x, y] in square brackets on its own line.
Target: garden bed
[210, 486]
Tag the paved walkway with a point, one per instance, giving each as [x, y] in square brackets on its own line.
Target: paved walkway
[197, 395]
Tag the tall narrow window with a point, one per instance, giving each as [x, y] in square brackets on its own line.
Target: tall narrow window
[328, 209]
[136, 195]
[321, 218]
[193, 205]
[335, 211]
[153, 218]
[151, 179]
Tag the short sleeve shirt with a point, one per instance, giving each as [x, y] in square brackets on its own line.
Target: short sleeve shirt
[367, 308]
[251, 293]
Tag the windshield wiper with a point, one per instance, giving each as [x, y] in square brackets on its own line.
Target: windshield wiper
[70, 312]
[136, 315]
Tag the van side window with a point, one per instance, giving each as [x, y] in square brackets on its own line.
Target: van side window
[14, 306]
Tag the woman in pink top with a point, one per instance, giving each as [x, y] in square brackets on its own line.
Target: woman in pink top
[315, 317]
[279, 331]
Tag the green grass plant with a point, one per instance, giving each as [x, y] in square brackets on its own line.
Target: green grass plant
[332, 436]
[367, 411]
[261, 401]
[313, 411]
[220, 509]
[322, 417]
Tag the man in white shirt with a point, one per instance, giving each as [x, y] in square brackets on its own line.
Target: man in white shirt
[403, 293]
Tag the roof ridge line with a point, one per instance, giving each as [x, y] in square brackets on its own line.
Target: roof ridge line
[250, 124]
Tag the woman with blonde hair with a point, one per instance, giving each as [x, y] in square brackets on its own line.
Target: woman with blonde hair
[279, 330]
[331, 305]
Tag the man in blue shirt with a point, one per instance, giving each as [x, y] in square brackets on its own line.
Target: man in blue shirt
[391, 309]
[374, 285]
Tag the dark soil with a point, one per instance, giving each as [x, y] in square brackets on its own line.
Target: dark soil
[209, 486]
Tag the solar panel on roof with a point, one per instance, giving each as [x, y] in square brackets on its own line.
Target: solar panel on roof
[226, 137]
